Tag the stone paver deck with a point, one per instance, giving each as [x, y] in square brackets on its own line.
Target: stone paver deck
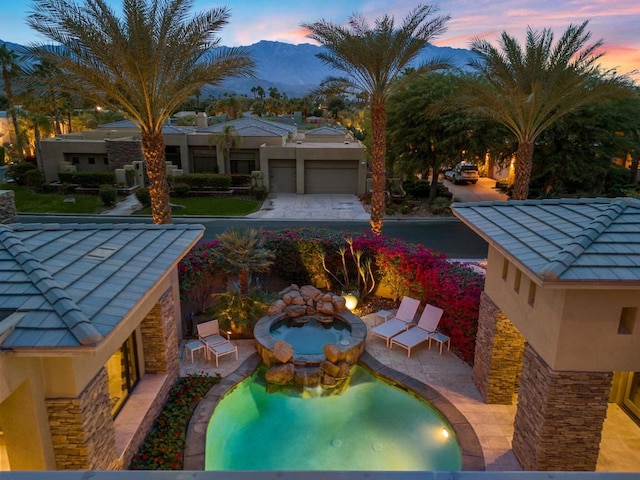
[450, 376]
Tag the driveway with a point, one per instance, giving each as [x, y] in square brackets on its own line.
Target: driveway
[482, 191]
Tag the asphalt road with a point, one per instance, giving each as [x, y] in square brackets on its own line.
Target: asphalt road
[447, 235]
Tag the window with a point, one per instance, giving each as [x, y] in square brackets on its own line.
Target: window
[123, 373]
[627, 320]
[516, 281]
[75, 161]
[92, 161]
[242, 162]
[105, 160]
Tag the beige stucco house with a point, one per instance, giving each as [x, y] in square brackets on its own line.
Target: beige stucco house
[323, 160]
[90, 324]
[559, 322]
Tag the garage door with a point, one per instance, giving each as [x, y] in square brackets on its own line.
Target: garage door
[331, 176]
[282, 176]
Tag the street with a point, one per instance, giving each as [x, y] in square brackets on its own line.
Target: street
[447, 235]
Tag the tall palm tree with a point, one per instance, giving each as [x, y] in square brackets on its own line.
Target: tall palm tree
[372, 59]
[528, 89]
[145, 64]
[10, 69]
[243, 251]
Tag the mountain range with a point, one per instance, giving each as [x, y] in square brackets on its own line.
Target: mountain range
[296, 70]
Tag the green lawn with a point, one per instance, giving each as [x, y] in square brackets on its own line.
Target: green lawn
[232, 207]
[28, 201]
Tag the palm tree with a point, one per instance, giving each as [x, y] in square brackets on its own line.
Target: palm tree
[372, 59]
[144, 64]
[528, 89]
[10, 69]
[244, 252]
[228, 138]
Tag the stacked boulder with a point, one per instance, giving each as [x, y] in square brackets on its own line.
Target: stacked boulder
[297, 301]
[300, 303]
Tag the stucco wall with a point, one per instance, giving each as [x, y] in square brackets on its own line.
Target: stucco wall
[571, 329]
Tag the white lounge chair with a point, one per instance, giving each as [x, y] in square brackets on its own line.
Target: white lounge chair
[426, 326]
[400, 322]
[209, 333]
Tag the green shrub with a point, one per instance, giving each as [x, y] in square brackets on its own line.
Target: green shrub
[239, 313]
[18, 171]
[144, 197]
[181, 190]
[259, 193]
[199, 181]
[417, 188]
[238, 180]
[108, 195]
[66, 189]
[440, 206]
[33, 178]
[88, 179]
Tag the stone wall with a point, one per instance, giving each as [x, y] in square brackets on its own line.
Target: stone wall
[558, 424]
[498, 355]
[160, 344]
[121, 152]
[82, 428]
[7, 207]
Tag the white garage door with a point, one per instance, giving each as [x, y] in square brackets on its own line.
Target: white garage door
[282, 176]
[331, 176]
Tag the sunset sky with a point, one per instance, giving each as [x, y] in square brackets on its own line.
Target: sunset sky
[254, 20]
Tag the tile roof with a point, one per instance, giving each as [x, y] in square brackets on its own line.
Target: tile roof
[70, 284]
[587, 239]
[324, 130]
[252, 127]
[166, 129]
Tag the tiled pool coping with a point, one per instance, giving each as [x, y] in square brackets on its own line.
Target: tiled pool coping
[194, 455]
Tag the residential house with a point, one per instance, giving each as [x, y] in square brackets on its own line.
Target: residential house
[90, 325]
[559, 322]
[324, 160]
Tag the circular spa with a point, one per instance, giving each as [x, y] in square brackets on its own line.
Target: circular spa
[308, 335]
[372, 425]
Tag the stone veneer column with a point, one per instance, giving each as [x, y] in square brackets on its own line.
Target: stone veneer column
[123, 151]
[82, 428]
[160, 338]
[558, 424]
[498, 355]
[8, 207]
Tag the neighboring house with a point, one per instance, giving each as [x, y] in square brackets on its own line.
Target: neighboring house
[325, 160]
[559, 321]
[90, 325]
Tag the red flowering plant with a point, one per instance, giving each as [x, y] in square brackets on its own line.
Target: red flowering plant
[430, 277]
[163, 448]
[197, 271]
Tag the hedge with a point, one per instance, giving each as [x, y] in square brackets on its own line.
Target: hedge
[213, 181]
[88, 179]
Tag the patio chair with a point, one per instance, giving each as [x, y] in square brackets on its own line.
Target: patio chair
[209, 333]
[420, 333]
[222, 349]
[400, 322]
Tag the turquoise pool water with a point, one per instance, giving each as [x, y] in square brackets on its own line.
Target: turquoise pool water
[371, 426]
[309, 338]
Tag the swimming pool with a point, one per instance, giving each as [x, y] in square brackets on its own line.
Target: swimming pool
[373, 425]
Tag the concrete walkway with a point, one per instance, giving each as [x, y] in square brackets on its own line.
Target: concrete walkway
[127, 206]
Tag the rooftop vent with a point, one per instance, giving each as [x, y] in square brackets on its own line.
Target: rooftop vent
[101, 253]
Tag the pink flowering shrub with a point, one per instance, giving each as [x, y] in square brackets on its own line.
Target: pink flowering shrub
[404, 268]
